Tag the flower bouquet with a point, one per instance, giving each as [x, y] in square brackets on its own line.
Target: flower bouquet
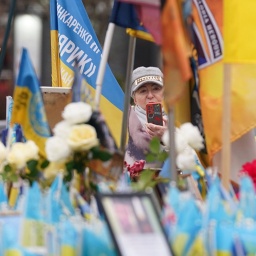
[81, 147]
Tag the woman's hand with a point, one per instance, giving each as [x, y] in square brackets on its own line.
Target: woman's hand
[155, 130]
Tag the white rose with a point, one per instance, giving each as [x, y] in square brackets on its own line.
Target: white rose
[20, 153]
[186, 161]
[192, 135]
[15, 156]
[82, 137]
[165, 138]
[57, 149]
[180, 142]
[3, 152]
[62, 129]
[31, 150]
[77, 112]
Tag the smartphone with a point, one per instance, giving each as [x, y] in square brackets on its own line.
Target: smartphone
[154, 113]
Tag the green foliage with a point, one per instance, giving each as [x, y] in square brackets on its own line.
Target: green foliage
[45, 163]
[156, 153]
[32, 171]
[98, 153]
[147, 178]
[9, 174]
[7, 168]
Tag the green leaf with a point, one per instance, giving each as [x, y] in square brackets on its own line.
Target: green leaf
[7, 168]
[33, 173]
[103, 155]
[162, 156]
[4, 176]
[151, 184]
[162, 180]
[32, 165]
[70, 166]
[68, 177]
[155, 145]
[150, 158]
[93, 186]
[79, 166]
[147, 175]
[13, 177]
[44, 164]
[144, 180]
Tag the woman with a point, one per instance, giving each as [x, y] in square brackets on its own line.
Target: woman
[146, 87]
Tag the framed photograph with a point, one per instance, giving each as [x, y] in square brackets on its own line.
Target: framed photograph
[134, 224]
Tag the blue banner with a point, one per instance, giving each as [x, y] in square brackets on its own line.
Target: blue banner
[73, 41]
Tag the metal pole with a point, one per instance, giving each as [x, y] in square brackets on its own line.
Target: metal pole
[103, 63]
[172, 152]
[130, 64]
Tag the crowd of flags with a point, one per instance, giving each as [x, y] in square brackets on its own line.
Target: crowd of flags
[209, 28]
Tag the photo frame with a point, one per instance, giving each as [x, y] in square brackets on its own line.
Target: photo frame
[134, 224]
[55, 99]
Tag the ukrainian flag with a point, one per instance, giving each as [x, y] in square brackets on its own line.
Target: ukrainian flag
[28, 107]
[73, 40]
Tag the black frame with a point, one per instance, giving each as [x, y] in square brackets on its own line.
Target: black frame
[100, 197]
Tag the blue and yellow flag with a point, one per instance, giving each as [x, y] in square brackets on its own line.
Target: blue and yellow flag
[73, 40]
[28, 107]
[126, 16]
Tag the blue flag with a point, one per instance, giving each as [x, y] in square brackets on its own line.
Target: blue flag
[28, 107]
[126, 16]
[73, 40]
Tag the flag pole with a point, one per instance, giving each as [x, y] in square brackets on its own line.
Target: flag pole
[172, 152]
[226, 126]
[103, 63]
[130, 65]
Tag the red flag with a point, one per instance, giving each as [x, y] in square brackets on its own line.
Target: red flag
[150, 16]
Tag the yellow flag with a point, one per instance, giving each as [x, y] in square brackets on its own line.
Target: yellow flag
[13, 252]
[236, 23]
[67, 250]
[239, 31]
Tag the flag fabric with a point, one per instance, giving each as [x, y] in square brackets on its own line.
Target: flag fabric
[28, 106]
[239, 51]
[239, 33]
[73, 40]
[81, 89]
[177, 71]
[149, 14]
[126, 15]
[195, 109]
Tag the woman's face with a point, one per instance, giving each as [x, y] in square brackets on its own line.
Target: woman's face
[148, 92]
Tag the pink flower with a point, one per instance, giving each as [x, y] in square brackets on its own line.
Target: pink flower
[249, 169]
[135, 169]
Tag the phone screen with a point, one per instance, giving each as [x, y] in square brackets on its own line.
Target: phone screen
[154, 113]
